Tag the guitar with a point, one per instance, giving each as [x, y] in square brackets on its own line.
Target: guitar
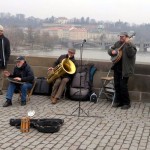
[117, 57]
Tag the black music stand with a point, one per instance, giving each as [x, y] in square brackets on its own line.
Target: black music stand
[80, 93]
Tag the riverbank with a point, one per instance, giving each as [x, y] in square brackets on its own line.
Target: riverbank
[87, 55]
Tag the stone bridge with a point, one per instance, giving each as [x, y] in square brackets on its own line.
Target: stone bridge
[143, 46]
[77, 44]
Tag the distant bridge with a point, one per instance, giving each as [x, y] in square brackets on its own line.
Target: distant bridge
[143, 46]
[86, 44]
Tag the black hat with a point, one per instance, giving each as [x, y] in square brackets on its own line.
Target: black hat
[123, 34]
[19, 58]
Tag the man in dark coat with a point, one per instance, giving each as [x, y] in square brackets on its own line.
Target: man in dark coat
[60, 83]
[24, 76]
[123, 69]
[4, 55]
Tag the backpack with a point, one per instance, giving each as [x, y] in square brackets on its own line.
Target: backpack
[81, 89]
[42, 87]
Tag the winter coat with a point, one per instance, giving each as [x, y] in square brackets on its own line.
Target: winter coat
[4, 51]
[128, 58]
[25, 73]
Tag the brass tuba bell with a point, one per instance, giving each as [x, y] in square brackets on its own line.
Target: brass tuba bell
[66, 66]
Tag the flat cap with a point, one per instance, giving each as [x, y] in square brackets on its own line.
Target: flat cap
[73, 50]
[123, 34]
[19, 58]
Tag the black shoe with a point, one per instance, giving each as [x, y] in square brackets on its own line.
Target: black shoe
[23, 103]
[117, 105]
[125, 107]
[7, 103]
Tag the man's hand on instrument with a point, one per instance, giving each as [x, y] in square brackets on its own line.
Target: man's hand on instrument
[17, 78]
[127, 40]
[6, 73]
[114, 52]
[50, 68]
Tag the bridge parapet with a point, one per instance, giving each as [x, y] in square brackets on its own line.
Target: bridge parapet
[139, 87]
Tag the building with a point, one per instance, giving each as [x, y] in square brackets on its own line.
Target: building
[5, 15]
[67, 32]
[61, 20]
[77, 33]
[20, 16]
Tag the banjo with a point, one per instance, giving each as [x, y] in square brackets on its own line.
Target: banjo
[117, 57]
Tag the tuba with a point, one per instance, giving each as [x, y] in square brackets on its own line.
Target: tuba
[66, 66]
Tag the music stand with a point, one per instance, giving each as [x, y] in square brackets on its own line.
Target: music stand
[80, 93]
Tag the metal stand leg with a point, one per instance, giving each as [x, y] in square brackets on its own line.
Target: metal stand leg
[113, 100]
[101, 91]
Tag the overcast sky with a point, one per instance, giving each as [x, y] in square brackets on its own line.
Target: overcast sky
[132, 11]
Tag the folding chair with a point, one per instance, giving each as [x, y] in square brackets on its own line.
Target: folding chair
[29, 92]
[107, 88]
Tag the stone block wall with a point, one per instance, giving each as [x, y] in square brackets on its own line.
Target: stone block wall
[139, 84]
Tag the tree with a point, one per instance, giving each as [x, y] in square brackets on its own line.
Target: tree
[87, 20]
[48, 41]
[15, 36]
[37, 38]
[30, 36]
[82, 20]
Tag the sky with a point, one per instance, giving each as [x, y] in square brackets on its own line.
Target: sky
[131, 11]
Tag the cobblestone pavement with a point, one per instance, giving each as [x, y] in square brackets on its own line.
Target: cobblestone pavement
[105, 128]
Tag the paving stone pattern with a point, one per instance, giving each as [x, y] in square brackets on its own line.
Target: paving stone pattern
[93, 127]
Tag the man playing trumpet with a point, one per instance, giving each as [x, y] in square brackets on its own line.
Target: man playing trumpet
[60, 83]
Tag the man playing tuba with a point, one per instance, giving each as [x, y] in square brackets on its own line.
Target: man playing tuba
[60, 83]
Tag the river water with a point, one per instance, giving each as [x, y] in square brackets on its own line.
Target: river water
[87, 54]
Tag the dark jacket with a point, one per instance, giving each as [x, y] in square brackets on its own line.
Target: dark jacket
[25, 73]
[128, 58]
[4, 51]
[59, 60]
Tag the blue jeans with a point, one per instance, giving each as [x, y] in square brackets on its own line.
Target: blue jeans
[23, 87]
